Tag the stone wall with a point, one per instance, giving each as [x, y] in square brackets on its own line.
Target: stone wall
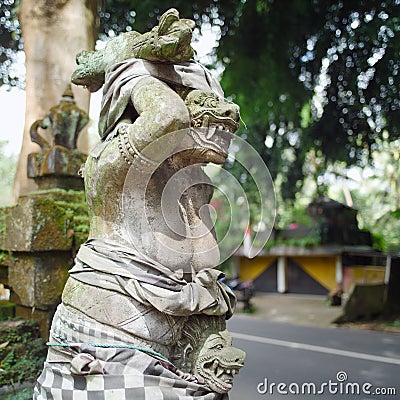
[39, 237]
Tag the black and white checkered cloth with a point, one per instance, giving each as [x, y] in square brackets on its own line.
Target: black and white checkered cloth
[101, 373]
[91, 359]
[128, 375]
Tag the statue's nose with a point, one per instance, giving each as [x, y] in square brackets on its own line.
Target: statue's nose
[233, 113]
[240, 356]
[81, 57]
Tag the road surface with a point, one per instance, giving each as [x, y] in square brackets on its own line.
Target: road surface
[337, 363]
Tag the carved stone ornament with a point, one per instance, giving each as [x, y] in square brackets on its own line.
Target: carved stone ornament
[58, 164]
[143, 311]
[205, 347]
[168, 41]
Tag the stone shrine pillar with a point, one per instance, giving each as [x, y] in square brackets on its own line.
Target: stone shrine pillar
[40, 234]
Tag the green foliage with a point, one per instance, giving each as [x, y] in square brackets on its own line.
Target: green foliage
[395, 323]
[117, 16]
[8, 165]
[313, 239]
[316, 76]
[378, 241]
[389, 228]
[10, 42]
[22, 353]
[338, 59]
[7, 310]
[24, 394]
[293, 213]
[376, 194]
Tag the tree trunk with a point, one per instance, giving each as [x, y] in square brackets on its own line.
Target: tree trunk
[54, 31]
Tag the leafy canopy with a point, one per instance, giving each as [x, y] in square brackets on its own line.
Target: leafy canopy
[317, 77]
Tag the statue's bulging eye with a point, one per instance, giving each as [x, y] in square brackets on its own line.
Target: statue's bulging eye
[211, 103]
[218, 347]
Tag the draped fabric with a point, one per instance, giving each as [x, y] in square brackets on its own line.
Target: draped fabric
[109, 373]
[109, 265]
[122, 78]
[127, 366]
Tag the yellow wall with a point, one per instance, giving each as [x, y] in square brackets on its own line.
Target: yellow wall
[322, 269]
[363, 274]
[250, 269]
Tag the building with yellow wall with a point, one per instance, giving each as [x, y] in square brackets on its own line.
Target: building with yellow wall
[314, 270]
[343, 256]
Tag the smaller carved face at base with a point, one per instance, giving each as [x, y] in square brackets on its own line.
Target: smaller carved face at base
[205, 350]
[218, 361]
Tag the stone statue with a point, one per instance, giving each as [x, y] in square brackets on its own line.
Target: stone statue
[205, 347]
[143, 312]
[58, 164]
[168, 41]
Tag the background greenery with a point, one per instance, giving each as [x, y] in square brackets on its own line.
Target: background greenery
[318, 86]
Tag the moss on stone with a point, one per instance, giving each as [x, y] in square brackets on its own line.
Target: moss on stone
[3, 226]
[4, 257]
[22, 351]
[79, 239]
[69, 196]
[76, 208]
[7, 310]
[53, 217]
[73, 203]
[81, 223]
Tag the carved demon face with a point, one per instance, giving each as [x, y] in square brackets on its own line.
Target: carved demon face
[170, 40]
[205, 350]
[218, 361]
[213, 121]
[90, 70]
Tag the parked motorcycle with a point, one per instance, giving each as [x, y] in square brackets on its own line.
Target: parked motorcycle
[244, 290]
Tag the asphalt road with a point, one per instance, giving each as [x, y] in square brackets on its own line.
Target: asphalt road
[333, 359]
